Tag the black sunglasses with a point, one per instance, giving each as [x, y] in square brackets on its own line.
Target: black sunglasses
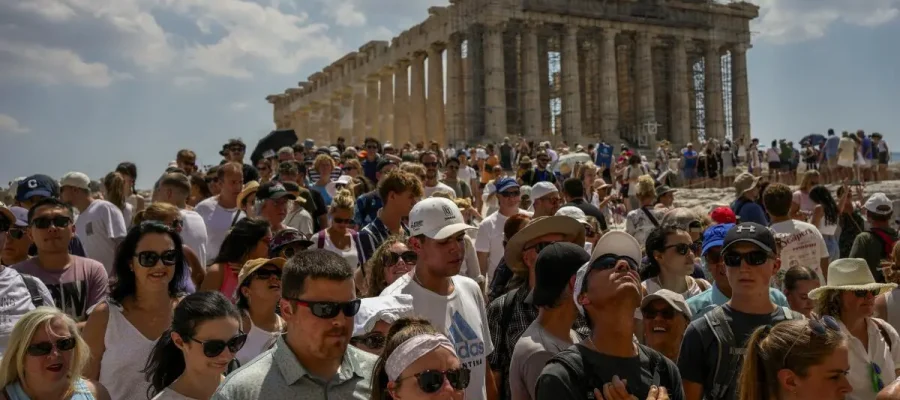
[589, 230]
[432, 380]
[680, 248]
[16, 233]
[818, 327]
[212, 348]
[148, 259]
[372, 340]
[59, 221]
[865, 293]
[350, 168]
[266, 273]
[177, 223]
[409, 257]
[754, 258]
[430, 164]
[510, 194]
[44, 348]
[342, 220]
[649, 313]
[238, 149]
[330, 309]
[609, 261]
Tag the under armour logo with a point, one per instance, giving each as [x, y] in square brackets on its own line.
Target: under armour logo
[32, 184]
[748, 228]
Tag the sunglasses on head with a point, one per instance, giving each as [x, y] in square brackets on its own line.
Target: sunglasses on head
[680, 248]
[409, 257]
[148, 259]
[330, 309]
[16, 233]
[432, 380]
[510, 193]
[609, 261]
[649, 313]
[372, 340]
[865, 293]
[212, 348]
[754, 258]
[818, 327]
[44, 348]
[342, 220]
[60, 221]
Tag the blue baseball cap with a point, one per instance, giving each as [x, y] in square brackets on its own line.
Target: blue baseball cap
[505, 183]
[37, 185]
[714, 236]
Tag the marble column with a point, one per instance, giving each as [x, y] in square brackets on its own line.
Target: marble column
[545, 92]
[571, 104]
[454, 108]
[740, 94]
[315, 119]
[417, 118]
[345, 125]
[299, 124]
[646, 106]
[436, 94]
[401, 103]
[372, 111]
[681, 111]
[714, 107]
[359, 112]
[386, 94]
[494, 84]
[531, 82]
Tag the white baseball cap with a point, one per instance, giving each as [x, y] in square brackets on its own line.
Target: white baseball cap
[437, 218]
[572, 212]
[613, 242]
[542, 189]
[77, 180]
[879, 203]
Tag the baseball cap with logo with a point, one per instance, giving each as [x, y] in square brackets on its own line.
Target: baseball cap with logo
[542, 189]
[506, 183]
[750, 232]
[76, 180]
[437, 218]
[273, 190]
[879, 203]
[36, 185]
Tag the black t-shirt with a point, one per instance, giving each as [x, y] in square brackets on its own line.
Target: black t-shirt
[506, 156]
[321, 209]
[557, 382]
[700, 352]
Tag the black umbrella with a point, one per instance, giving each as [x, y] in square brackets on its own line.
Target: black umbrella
[813, 139]
[272, 142]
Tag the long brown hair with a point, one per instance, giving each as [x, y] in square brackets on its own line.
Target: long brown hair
[401, 331]
[374, 268]
[114, 183]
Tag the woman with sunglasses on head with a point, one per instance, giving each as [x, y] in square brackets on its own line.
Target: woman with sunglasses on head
[148, 267]
[796, 360]
[418, 362]
[670, 262]
[170, 216]
[390, 261]
[339, 237]
[248, 239]
[374, 319]
[874, 346]
[45, 359]
[189, 360]
[257, 300]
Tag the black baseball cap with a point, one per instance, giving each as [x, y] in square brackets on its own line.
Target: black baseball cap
[273, 190]
[555, 266]
[751, 232]
[384, 163]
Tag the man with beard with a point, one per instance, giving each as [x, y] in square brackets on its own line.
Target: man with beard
[451, 302]
[609, 363]
[312, 360]
[431, 183]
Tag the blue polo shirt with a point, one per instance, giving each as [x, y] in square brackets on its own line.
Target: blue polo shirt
[712, 298]
[370, 168]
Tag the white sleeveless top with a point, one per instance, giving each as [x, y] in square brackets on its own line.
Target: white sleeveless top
[125, 356]
[652, 285]
[893, 308]
[257, 342]
[169, 394]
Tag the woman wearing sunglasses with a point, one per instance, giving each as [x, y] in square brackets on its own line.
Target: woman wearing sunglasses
[45, 360]
[374, 319]
[798, 359]
[339, 237]
[418, 363]
[169, 215]
[122, 331]
[189, 360]
[248, 239]
[390, 261]
[257, 299]
[874, 346]
[670, 262]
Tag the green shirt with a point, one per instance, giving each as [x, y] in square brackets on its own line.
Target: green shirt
[870, 248]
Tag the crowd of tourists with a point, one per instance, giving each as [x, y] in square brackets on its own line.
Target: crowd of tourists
[506, 271]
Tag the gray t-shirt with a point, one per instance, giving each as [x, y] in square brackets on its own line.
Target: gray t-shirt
[15, 301]
[76, 288]
[535, 347]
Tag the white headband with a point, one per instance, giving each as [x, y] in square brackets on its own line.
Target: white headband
[411, 350]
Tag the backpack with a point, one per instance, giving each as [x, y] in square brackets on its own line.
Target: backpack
[725, 374]
[506, 313]
[573, 360]
[354, 235]
[887, 240]
[31, 283]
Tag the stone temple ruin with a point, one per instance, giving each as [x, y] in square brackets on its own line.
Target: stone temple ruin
[477, 71]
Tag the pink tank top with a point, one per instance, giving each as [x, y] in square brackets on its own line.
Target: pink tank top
[229, 282]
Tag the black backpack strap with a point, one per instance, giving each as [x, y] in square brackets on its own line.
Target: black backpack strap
[650, 215]
[729, 358]
[33, 290]
[573, 360]
[884, 333]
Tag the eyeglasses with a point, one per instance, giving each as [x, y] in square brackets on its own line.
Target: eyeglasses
[348, 168]
[649, 313]
[408, 257]
[372, 340]
[16, 233]
[754, 258]
[609, 261]
[212, 348]
[342, 220]
[329, 309]
[59, 221]
[265, 274]
[432, 380]
[865, 293]
[148, 259]
[680, 248]
[515, 193]
[44, 348]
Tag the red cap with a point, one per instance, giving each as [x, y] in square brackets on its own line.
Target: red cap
[723, 215]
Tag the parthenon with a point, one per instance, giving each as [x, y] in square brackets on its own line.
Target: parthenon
[573, 70]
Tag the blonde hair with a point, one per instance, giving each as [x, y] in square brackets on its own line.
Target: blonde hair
[584, 168]
[646, 187]
[156, 212]
[804, 183]
[322, 159]
[12, 365]
[343, 200]
[114, 183]
[413, 168]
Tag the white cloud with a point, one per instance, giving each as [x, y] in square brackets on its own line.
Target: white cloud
[50, 66]
[239, 106]
[791, 21]
[182, 81]
[9, 125]
[49, 9]
[345, 13]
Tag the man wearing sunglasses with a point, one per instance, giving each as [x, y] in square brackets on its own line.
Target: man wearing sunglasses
[607, 290]
[312, 360]
[370, 163]
[749, 252]
[451, 302]
[35, 188]
[489, 242]
[14, 229]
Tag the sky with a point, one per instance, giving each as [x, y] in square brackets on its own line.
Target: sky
[86, 84]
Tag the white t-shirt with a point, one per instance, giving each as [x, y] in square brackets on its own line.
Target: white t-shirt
[490, 239]
[467, 174]
[804, 246]
[128, 215]
[15, 301]
[169, 394]
[99, 227]
[218, 223]
[461, 316]
[193, 233]
[846, 147]
[429, 190]
[773, 155]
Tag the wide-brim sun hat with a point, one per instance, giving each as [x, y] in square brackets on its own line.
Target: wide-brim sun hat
[571, 229]
[850, 274]
[249, 188]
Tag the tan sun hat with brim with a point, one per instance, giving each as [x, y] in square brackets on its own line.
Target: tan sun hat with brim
[745, 182]
[850, 274]
[249, 188]
[572, 230]
[252, 265]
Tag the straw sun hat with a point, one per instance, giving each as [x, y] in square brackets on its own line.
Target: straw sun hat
[850, 274]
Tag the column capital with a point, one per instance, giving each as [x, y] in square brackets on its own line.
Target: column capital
[436, 48]
[740, 47]
[572, 30]
[496, 27]
[419, 55]
[387, 70]
[402, 63]
[532, 26]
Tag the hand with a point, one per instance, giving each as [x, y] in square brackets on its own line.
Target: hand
[614, 390]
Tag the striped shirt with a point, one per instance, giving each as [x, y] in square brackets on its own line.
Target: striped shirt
[374, 234]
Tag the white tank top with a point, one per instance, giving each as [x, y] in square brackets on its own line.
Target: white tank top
[125, 356]
[257, 342]
[893, 308]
